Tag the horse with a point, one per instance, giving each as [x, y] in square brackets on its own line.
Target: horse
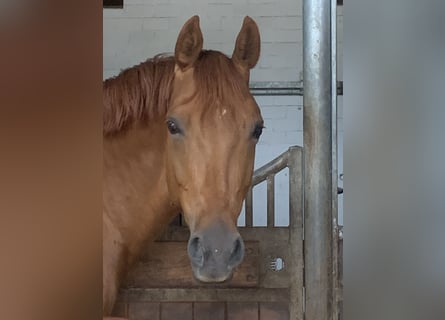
[180, 133]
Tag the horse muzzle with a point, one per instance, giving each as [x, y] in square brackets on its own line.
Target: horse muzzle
[215, 252]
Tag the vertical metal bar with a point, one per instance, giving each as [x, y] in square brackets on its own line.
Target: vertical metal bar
[271, 200]
[248, 208]
[317, 126]
[296, 296]
[335, 239]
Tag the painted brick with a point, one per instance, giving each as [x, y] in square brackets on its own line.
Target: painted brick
[278, 48]
[280, 23]
[284, 125]
[224, 36]
[260, 1]
[283, 61]
[225, 10]
[281, 9]
[281, 35]
[120, 27]
[167, 10]
[139, 11]
[113, 13]
[155, 24]
[131, 2]
[275, 74]
[269, 137]
[265, 100]
[288, 100]
[295, 115]
[272, 113]
[294, 138]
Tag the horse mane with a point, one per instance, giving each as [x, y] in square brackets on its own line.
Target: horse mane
[143, 92]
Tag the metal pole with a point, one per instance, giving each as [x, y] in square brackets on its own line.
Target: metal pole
[317, 125]
[336, 294]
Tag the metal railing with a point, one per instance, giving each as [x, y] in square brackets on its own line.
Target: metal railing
[292, 159]
[267, 173]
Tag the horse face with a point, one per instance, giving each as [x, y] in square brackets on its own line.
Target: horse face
[213, 125]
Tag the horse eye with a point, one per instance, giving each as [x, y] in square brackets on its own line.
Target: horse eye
[173, 127]
[258, 131]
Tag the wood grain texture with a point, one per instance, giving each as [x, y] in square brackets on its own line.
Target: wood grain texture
[178, 233]
[209, 311]
[166, 265]
[274, 311]
[242, 311]
[144, 311]
[177, 311]
[204, 294]
[120, 309]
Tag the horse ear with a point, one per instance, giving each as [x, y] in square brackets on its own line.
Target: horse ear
[247, 47]
[189, 43]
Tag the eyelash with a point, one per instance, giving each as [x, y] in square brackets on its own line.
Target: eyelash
[258, 131]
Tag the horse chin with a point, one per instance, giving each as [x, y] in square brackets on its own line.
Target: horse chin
[205, 277]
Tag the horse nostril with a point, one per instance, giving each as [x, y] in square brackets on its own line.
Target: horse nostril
[237, 254]
[195, 251]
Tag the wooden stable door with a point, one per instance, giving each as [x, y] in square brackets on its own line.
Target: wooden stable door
[203, 311]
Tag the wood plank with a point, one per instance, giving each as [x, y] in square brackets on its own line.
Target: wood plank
[204, 295]
[166, 265]
[271, 277]
[144, 311]
[175, 233]
[242, 311]
[274, 311]
[176, 311]
[209, 311]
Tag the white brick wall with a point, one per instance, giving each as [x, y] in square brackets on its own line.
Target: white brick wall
[144, 28]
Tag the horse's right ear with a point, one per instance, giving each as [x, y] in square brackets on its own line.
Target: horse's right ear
[189, 43]
[247, 47]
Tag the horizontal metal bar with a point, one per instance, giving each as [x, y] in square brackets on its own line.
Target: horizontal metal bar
[283, 88]
[276, 91]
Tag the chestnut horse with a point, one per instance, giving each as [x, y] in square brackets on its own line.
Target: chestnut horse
[179, 136]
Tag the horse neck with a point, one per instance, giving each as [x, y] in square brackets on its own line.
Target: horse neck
[136, 197]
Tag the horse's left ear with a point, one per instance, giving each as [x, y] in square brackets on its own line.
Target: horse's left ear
[247, 47]
[189, 43]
